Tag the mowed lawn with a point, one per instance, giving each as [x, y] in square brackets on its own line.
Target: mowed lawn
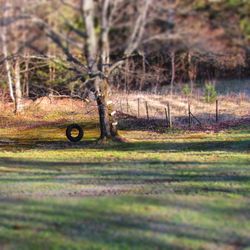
[158, 191]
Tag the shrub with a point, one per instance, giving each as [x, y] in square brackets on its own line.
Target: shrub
[186, 90]
[210, 93]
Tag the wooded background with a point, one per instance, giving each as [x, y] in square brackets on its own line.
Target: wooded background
[183, 41]
[81, 47]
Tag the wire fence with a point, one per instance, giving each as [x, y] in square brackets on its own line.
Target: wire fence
[176, 111]
[179, 111]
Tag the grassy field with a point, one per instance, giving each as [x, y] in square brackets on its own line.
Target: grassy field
[158, 191]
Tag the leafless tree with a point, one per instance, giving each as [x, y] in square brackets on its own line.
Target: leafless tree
[6, 7]
[97, 46]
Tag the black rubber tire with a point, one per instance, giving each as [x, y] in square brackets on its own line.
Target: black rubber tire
[69, 131]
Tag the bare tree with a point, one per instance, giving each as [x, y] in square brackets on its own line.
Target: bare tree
[108, 128]
[6, 7]
[97, 48]
[12, 42]
[18, 87]
[172, 56]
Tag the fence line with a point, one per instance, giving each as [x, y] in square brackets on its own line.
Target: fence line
[217, 111]
[165, 112]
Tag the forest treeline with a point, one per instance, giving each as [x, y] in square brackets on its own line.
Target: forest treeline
[183, 41]
[72, 47]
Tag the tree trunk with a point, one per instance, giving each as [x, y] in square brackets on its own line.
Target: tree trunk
[51, 53]
[26, 76]
[107, 121]
[142, 81]
[103, 109]
[103, 118]
[126, 87]
[52, 73]
[107, 127]
[6, 8]
[18, 89]
[173, 72]
[8, 69]
[192, 71]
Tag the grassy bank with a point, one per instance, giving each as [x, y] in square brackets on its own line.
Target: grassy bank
[159, 191]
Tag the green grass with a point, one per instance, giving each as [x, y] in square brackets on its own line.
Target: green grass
[160, 191]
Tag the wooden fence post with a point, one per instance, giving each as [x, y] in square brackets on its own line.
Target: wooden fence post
[146, 104]
[169, 116]
[189, 115]
[166, 115]
[217, 110]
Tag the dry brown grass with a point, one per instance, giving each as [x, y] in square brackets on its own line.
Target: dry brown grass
[49, 111]
[231, 107]
[46, 111]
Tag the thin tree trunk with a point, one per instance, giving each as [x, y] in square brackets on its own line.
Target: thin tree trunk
[51, 53]
[8, 70]
[173, 72]
[142, 82]
[18, 88]
[52, 72]
[5, 53]
[191, 71]
[126, 89]
[26, 76]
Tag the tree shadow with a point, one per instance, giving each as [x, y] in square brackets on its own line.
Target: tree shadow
[123, 176]
[198, 146]
[17, 144]
[104, 224]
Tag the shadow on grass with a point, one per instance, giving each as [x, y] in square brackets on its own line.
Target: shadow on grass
[57, 144]
[48, 135]
[77, 227]
[185, 146]
[104, 224]
[150, 176]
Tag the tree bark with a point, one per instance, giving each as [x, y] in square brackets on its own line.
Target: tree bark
[26, 86]
[142, 81]
[6, 7]
[192, 71]
[173, 72]
[126, 87]
[18, 88]
[103, 112]
[8, 70]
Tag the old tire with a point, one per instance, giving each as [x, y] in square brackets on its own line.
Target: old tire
[69, 130]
